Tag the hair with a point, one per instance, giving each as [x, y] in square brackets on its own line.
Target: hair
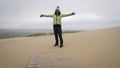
[57, 11]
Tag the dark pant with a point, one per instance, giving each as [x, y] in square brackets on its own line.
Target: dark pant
[58, 33]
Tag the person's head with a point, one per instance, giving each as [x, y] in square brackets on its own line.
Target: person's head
[57, 11]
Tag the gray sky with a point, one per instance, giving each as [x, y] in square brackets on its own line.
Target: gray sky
[89, 13]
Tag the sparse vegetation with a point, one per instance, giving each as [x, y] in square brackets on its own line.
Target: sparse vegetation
[42, 34]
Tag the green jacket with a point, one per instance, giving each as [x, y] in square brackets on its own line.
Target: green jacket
[57, 19]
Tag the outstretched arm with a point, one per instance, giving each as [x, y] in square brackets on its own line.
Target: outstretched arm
[70, 14]
[42, 15]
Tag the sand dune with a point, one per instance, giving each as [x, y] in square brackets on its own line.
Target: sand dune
[91, 49]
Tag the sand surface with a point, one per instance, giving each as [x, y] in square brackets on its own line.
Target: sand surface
[50, 60]
[91, 49]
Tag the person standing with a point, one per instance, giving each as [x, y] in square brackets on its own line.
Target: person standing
[57, 16]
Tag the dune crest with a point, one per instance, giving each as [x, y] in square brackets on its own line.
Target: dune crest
[91, 49]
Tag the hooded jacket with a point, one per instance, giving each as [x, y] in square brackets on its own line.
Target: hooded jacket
[56, 18]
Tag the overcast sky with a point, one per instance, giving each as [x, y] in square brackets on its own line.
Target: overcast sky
[89, 13]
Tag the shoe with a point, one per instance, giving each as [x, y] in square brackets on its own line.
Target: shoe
[56, 45]
[61, 46]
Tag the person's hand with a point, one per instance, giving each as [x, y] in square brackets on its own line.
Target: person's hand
[73, 13]
[41, 15]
